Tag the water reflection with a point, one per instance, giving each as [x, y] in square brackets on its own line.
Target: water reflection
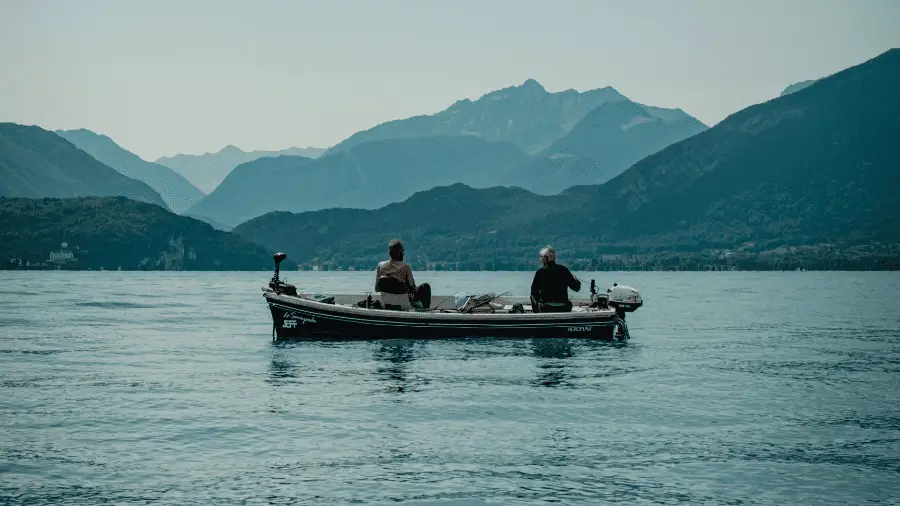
[556, 359]
[552, 366]
[552, 348]
[282, 370]
[393, 357]
[557, 447]
[283, 367]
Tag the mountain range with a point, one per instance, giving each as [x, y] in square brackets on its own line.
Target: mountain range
[817, 169]
[175, 190]
[367, 176]
[527, 116]
[394, 160]
[808, 175]
[372, 173]
[607, 141]
[38, 163]
[206, 171]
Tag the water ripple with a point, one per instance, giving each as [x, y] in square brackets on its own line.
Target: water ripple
[172, 395]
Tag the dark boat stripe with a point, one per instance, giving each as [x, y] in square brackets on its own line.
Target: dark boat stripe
[313, 305]
[421, 322]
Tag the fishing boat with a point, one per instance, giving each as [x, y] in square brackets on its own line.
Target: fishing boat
[315, 316]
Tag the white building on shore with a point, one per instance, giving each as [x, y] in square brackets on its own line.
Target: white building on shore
[64, 255]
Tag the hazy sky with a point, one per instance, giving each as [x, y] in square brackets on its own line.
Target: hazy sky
[162, 77]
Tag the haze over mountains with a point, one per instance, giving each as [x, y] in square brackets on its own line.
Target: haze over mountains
[607, 141]
[527, 116]
[815, 169]
[206, 171]
[175, 190]
[471, 142]
[797, 87]
[479, 143]
[366, 176]
[37, 163]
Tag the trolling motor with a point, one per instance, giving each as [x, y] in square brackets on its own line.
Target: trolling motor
[278, 258]
[278, 286]
[598, 300]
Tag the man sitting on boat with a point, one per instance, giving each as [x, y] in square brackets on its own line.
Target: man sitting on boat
[549, 292]
[394, 281]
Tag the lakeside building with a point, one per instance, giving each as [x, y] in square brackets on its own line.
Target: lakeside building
[63, 256]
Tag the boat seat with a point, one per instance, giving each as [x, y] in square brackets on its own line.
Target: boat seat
[554, 307]
[393, 293]
[395, 301]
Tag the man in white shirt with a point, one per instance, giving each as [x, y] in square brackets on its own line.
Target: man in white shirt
[395, 277]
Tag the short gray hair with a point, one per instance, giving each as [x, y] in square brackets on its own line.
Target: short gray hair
[549, 253]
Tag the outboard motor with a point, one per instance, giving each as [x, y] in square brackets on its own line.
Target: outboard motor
[624, 299]
[278, 286]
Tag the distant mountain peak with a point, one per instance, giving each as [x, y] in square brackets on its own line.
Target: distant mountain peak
[794, 88]
[231, 148]
[887, 58]
[620, 114]
[84, 132]
[528, 88]
[604, 143]
[461, 103]
[369, 175]
[526, 115]
[531, 84]
[206, 171]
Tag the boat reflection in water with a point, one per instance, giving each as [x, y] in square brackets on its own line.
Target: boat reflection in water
[282, 371]
[556, 360]
[552, 355]
[552, 348]
[393, 357]
[292, 361]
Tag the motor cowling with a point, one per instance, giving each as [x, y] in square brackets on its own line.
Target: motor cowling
[625, 298]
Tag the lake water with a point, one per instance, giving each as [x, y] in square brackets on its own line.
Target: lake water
[736, 388]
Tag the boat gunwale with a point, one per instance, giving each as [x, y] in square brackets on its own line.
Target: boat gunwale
[596, 315]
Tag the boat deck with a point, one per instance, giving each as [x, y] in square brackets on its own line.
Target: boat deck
[446, 302]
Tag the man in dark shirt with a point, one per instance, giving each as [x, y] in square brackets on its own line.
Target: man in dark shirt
[549, 292]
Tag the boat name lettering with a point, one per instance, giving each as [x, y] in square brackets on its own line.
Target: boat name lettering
[291, 319]
[579, 329]
[290, 315]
